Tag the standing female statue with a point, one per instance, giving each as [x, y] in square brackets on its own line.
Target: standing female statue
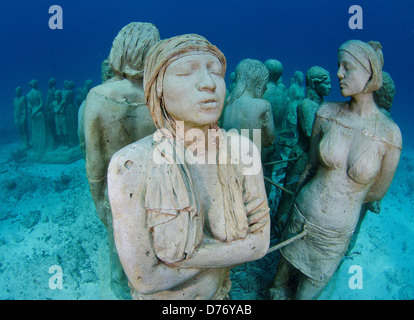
[318, 85]
[355, 150]
[20, 116]
[181, 222]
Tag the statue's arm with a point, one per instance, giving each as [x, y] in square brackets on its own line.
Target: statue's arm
[268, 126]
[134, 243]
[389, 166]
[216, 254]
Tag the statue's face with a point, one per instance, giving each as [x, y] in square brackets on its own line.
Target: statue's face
[323, 88]
[353, 77]
[194, 89]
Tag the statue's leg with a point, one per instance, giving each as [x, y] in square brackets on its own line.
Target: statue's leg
[307, 290]
[282, 284]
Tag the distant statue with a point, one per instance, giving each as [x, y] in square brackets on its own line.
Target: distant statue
[384, 96]
[116, 115]
[38, 120]
[181, 223]
[296, 94]
[106, 71]
[275, 94]
[354, 150]
[68, 96]
[20, 117]
[247, 109]
[50, 94]
[83, 92]
[318, 85]
[59, 108]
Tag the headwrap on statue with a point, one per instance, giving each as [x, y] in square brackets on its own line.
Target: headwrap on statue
[369, 55]
[160, 56]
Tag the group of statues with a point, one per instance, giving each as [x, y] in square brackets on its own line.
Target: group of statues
[178, 221]
[48, 123]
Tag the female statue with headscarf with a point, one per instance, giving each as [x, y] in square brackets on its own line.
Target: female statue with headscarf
[182, 219]
[354, 150]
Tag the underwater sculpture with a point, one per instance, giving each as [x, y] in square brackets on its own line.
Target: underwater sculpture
[246, 108]
[355, 150]
[39, 135]
[20, 116]
[318, 85]
[49, 113]
[296, 94]
[275, 94]
[115, 115]
[179, 227]
[81, 93]
[50, 94]
[68, 96]
[384, 96]
[59, 108]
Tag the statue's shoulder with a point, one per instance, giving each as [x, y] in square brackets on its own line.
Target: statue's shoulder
[390, 131]
[330, 109]
[136, 152]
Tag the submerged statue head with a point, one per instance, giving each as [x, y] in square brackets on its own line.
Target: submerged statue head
[369, 57]
[275, 68]
[33, 84]
[18, 92]
[251, 77]
[52, 83]
[130, 47]
[318, 82]
[384, 96]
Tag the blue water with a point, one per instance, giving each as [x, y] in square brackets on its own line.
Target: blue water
[299, 33]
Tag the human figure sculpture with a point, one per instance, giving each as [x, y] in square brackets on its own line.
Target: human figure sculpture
[50, 94]
[384, 98]
[318, 85]
[83, 92]
[276, 94]
[49, 113]
[68, 95]
[59, 108]
[20, 117]
[38, 126]
[296, 94]
[115, 115]
[179, 224]
[355, 150]
[246, 108]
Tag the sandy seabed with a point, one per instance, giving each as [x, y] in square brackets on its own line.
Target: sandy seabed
[48, 219]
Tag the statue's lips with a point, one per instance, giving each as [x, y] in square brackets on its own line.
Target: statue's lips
[209, 104]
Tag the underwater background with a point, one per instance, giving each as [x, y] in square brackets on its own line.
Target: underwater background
[47, 216]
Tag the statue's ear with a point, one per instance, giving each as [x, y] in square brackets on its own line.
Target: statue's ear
[160, 83]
